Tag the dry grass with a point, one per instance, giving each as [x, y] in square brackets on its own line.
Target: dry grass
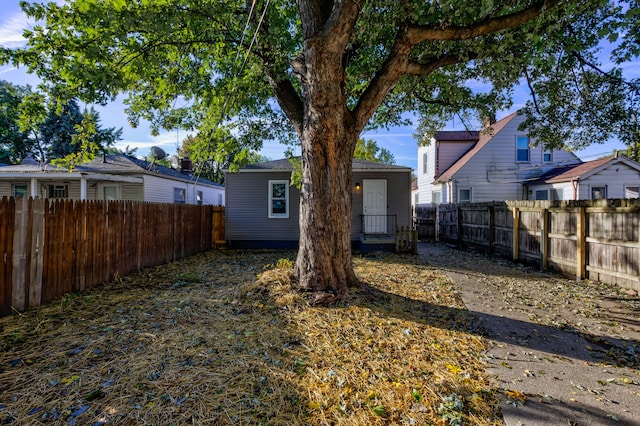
[220, 339]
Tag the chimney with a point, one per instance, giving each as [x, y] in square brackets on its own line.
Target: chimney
[489, 120]
[185, 165]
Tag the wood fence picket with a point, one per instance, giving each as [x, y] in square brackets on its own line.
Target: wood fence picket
[51, 248]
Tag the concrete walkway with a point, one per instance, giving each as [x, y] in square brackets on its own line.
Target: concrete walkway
[563, 352]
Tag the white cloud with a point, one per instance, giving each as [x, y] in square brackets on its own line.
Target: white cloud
[166, 141]
[11, 30]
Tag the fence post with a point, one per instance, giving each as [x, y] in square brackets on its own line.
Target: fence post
[37, 253]
[459, 226]
[544, 240]
[19, 276]
[516, 233]
[581, 244]
[491, 228]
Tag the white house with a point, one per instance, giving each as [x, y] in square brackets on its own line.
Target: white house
[612, 177]
[110, 177]
[492, 165]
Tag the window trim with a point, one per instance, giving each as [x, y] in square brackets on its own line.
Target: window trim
[15, 186]
[58, 191]
[606, 190]
[556, 194]
[518, 139]
[199, 197]
[183, 195]
[626, 186]
[271, 198]
[539, 192]
[470, 195]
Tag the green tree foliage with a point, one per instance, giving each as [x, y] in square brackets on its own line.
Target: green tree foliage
[209, 161]
[15, 143]
[319, 71]
[369, 150]
[72, 136]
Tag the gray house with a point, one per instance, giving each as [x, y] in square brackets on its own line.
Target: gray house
[262, 208]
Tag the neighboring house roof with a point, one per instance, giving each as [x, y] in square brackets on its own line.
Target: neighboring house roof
[482, 141]
[414, 184]
[457, 135]
[115, 164]
[583, 170]
[357, 165]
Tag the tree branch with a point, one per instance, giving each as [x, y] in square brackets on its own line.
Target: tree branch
[289, 101]
[417, 34]
[533, 92]
[422, 69]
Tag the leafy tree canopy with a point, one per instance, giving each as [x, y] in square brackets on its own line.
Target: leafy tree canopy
[206, 64]
[15, 143]
[57, 132]
[369, 150]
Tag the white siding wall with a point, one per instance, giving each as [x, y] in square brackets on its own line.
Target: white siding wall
[565, 187]
[615, 177]
[493, 173]
[424, 179]
[160, 190]
[6, 189]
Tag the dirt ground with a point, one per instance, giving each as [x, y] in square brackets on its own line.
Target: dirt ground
[563, 351]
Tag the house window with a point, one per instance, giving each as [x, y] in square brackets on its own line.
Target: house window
[632, 191]
[425, 157]
[547, 156]
[542, 194]
[416, 197]
[278, 199]
[598, 192]
[19, 191]
[110, 193]
[436, 197]
[58, 191]
[522, 149]
[464, 195]
[199, 197]
[219, 199]
[179, 195]
[557, 194]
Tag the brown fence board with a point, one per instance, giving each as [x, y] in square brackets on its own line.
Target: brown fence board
[54, 247]
[599, 239]
[7, 216]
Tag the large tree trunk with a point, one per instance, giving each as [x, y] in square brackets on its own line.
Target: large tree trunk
[328, 141]
[324, 254]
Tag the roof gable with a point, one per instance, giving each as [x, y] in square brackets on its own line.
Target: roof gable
[584, 170]
[483, 140]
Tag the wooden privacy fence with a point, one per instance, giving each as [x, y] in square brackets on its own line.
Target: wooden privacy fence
[594, 239]
[424, 219]
[54, 247]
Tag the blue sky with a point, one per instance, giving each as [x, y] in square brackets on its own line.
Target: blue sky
[399, 140]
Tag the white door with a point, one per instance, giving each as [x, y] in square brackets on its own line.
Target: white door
[375, 206]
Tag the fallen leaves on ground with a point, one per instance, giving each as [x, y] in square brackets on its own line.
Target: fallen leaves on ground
[220, 338]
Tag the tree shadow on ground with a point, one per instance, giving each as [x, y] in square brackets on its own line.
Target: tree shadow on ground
[567, 342]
